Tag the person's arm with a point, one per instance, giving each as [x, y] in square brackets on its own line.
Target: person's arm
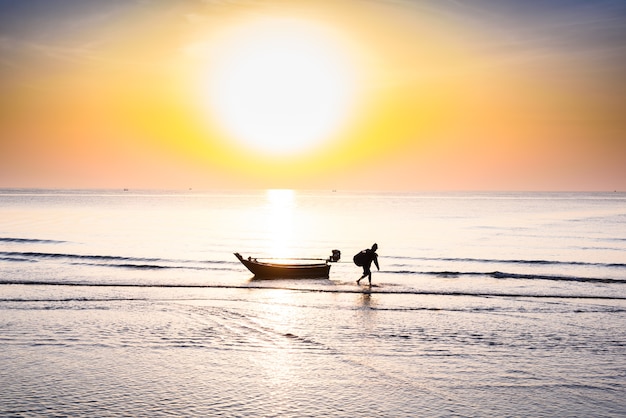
[376, 261]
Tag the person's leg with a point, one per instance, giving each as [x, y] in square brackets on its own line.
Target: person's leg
[366, 271]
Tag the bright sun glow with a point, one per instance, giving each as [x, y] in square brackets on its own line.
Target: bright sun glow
[281, 86]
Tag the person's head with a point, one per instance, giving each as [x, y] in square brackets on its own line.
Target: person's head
[374, 247]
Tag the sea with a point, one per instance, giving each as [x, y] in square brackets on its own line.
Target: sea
[131, 303]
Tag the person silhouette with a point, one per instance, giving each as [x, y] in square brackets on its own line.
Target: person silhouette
[364, 259]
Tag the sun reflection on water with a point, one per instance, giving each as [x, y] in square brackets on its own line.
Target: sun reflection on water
[279, 361]
[280, 221]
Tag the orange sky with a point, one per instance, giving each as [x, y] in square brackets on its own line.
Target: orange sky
[443, 96]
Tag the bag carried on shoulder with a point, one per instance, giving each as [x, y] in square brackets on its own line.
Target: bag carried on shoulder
[360, 259]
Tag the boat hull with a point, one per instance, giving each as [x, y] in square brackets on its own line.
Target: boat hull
[282, 271]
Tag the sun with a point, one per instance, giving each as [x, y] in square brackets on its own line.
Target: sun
[281, 86]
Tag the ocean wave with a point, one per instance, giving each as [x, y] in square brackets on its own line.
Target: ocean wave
[514, 261]
[17, 259]
[30, 241]
[157, 266]
[115, 261]
[501, 275]
[106, 258]
[131, 266]
[79, 256]
[314, 289]
[505, 275]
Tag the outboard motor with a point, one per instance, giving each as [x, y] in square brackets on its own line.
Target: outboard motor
[336, 256]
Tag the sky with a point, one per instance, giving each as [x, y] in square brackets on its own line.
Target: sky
[392, 95]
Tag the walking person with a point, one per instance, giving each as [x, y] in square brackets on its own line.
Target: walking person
[364, 259]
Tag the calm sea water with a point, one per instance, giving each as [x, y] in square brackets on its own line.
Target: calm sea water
[131, 303]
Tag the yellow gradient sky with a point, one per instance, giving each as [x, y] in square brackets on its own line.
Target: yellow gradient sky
[357, 94]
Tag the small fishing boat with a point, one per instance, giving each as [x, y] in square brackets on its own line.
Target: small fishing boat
[268, 269]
